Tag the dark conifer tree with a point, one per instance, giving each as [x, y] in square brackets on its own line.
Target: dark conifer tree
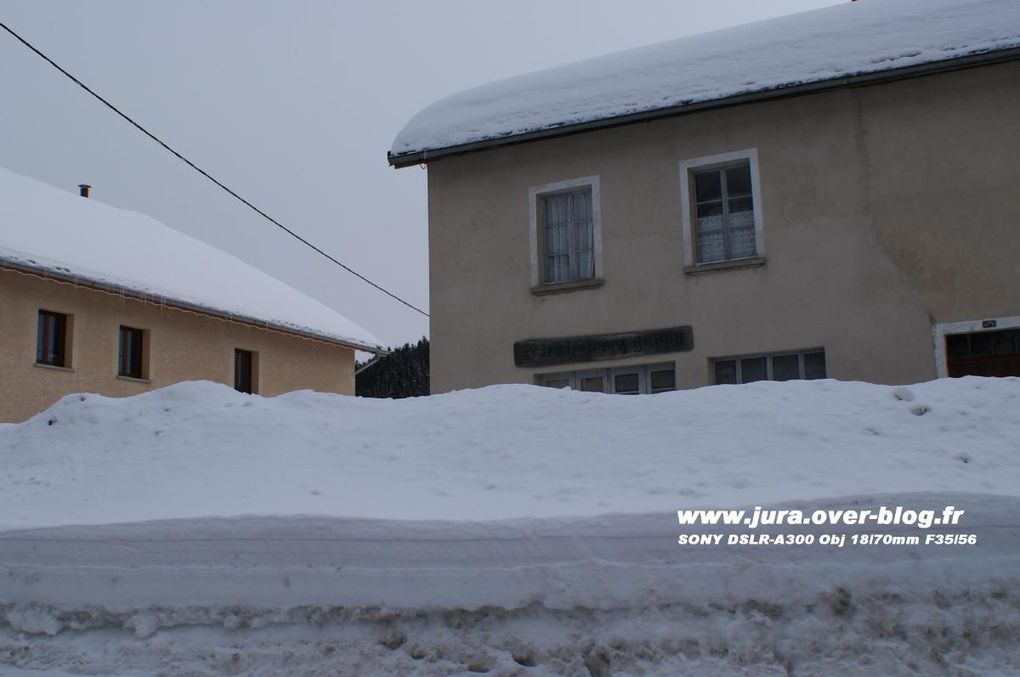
[402, 373]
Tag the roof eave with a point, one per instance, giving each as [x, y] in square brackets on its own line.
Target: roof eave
[400, 160]
[80, 281]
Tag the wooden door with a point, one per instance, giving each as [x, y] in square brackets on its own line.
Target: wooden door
[984, 353]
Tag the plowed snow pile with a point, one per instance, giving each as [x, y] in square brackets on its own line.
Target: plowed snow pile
[509, 530]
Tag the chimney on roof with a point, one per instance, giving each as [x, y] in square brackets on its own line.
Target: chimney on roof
[84, 189]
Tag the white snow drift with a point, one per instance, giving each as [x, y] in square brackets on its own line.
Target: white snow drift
[203, 450]
[868, 36]
[509, 530]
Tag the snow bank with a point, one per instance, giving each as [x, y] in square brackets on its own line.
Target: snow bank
[52, 231]
[512, 530]
[844, 40]
[204, 450]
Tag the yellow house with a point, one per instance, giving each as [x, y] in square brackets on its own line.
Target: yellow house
[102, 300]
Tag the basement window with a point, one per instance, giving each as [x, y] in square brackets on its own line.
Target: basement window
[633, 380]
[806, 365]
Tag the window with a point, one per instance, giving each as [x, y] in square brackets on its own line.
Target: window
[566, 239]
[722, 219]
[568, 247]
[635, 380]
[724, 214]
[592, 383]
[807, 365]
[131, 353]
[627, 384]
[51, 339]
[245, 371]
[554, 381]
[661, 380]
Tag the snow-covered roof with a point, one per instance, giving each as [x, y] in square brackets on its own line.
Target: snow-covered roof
[867, 37]
[57, 233]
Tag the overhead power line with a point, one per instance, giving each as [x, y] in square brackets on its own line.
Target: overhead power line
[206, 174]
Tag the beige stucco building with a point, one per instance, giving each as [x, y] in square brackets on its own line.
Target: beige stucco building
[82, 312]
[864, 226]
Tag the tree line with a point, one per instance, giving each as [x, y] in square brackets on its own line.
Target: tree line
[402, 373]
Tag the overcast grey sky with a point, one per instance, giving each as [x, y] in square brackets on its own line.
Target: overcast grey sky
[294, 105]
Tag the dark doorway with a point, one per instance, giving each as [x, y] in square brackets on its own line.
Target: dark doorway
[984, 353]
[244, 371]
[130, 361]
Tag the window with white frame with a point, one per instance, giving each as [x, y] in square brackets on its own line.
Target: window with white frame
[808, 365]
[631, 380]
[565, 236]
[722, 212]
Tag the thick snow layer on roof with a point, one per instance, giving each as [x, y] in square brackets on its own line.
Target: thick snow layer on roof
[53, 231]
[840, 41]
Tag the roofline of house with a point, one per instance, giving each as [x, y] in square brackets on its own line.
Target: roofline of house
[371, 363]
[985, 58]
[120, 290]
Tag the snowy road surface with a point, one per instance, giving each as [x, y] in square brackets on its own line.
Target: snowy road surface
[322, 596]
